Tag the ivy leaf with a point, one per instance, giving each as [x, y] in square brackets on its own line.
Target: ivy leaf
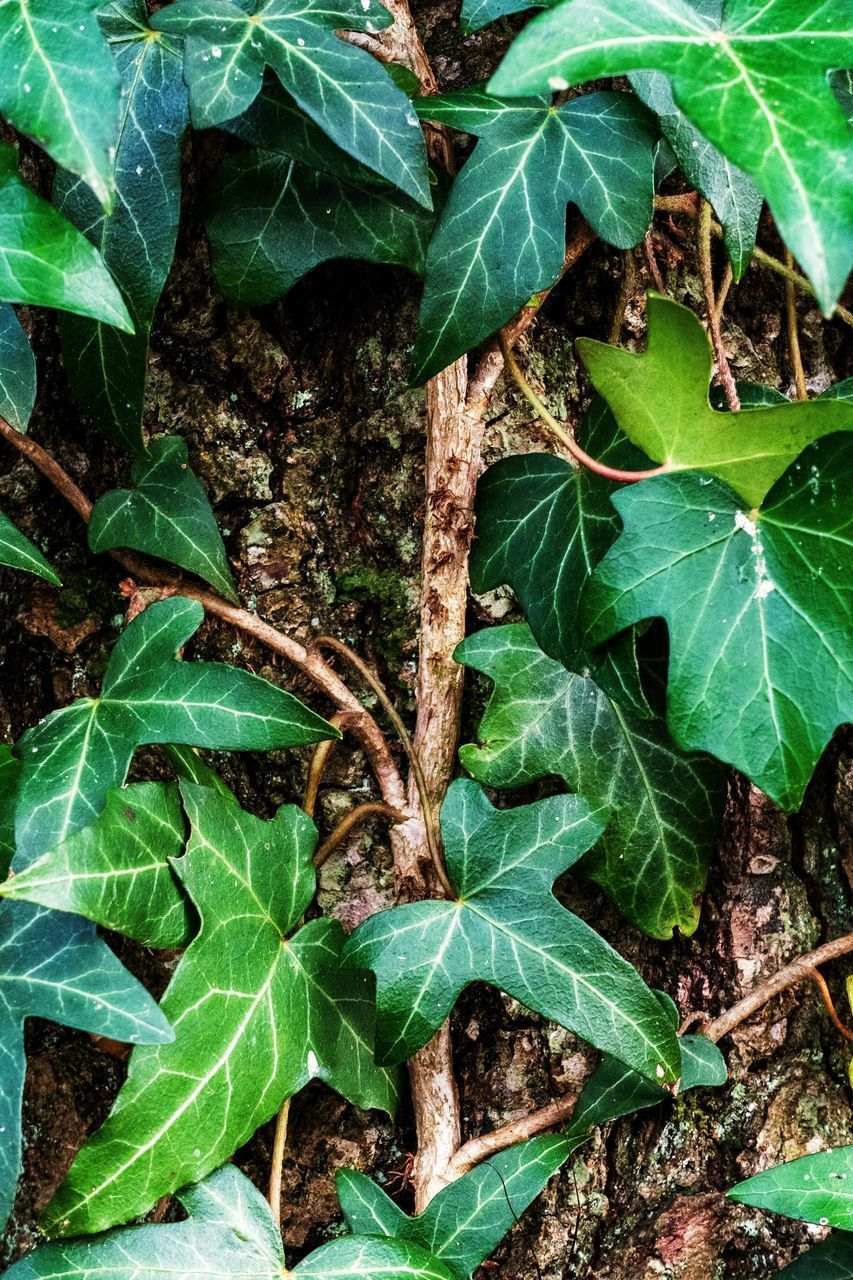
[479, 13]
[106, 367]
[17, 371]
[53, 966]
[18, 552]
[10, 772]
[660, 400]
[832, 1259]
[736, 200]
[757, 88]
[466, 1220]
[165, 514]
[507, 928]
[760, 663]
[816, 1188]
[77, 754]
[502, 234]
[661, 807]
[45, 261]
[256, 1017]
[270, 221]
[542, 527]
[118, 868]
[346, 91]
[59, 86]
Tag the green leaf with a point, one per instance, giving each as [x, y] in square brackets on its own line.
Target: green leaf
[345, 90]
[832, 1259]
[188, 766]
[757, 88]
[660, 400]
[466, 1220]
[108, 368]
[502, 233]
[479, 13]
[60, 87]
[370, 1259]
[77, 754]
[756, 604]
[17, 371]
[165, 514]
[53, 966]
[44, 260]
[736, 200]
[18, 552]
[542, 527]
[118, 868]
[270, 221]
[816, 1188]
[10, 772]
[256, 1016]
[661, 807]
[507, 928]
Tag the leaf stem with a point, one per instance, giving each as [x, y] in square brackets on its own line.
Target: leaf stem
[706, 269]
[317, 767]
[352, 819]
[579, 454]
[279, 1144]
[794, 332]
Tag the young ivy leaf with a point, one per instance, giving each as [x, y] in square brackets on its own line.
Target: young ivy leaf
[58, 85]
[17, 371]
[345, 90]
[507, 928]
[77, 754]
[816, 1188]
[661, 807]
[756, 87]
[53, 966]
[118, 868]
[256, 1015]
[832, 1259]
[17, 552]
[44, 260]
[502, 233]
[270, 221]
[165, 514]
[756, 604]
[661, 401]
[466, 1220]
[106, 367]
[229, 1232]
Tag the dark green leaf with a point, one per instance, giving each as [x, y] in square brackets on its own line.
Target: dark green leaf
[270, 221]
[816, 1188]
[18, 552]
[256, 1015]
[502, 233]
[44, 260]
[117, 870]
[761, 658]
[107, 368]
[10, 770]
[661, 807]
[370, 1259]
[166, 514]
[17, 371]
[832, 1259]
[59, 86]
[757, 88]
[507, 928]
[75, 755]
[346, 91]
[479, 13]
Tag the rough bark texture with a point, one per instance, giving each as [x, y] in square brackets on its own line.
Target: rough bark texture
[301, 424]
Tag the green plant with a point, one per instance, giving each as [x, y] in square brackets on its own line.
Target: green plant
[731, 527]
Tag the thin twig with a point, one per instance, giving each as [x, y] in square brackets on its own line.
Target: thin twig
[723, 292]
[820, 982]
[278, 1146]
[317, 768]
[794, 332]
[781, 981]
[706, 270]
[592, 464]
[626, 289]
[651, 259]
[373, 808]
[478, 1149]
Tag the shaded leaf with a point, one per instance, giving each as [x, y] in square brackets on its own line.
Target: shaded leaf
[661, 808]
[17, 552]
[345, 90]
[17, 371]
[10, 770]
[502, 233]
[165, 514]
[77, 754]
[256, 1016]
[507, 928]
[832, 1259]
[479, 13]
[816, 1188]
[757, 88]
[107, 368]
[756, 604]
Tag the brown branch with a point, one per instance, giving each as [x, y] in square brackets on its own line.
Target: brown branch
[317, 766]
[279, 1144]
[373, 808]
[820, 982]
[478, 1149]
[651, 260]
[794, 332]
[706, 270]
[781, 981]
